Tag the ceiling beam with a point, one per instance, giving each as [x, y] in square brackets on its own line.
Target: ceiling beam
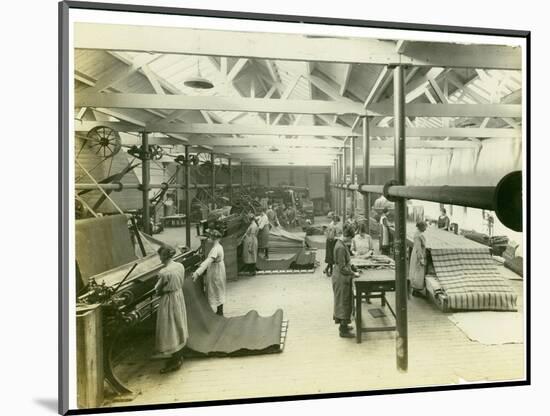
[118, 74]
[153, 79]
[289, 88]
[280, 152]
[174, 40]
[449, 110]
[448, 132]
[261, 105]
[259, 144]
[204, 128]
[401, 46]
[216, 103]
[265, 141]
[345, 78]
[239, 65]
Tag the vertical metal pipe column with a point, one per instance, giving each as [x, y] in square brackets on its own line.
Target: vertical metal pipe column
[339, 190]
[145, 182]
[230, 181]
[400, 235]
[186, 180]
[242, 175]
[212, 159]
[352, 172]
[344, 168]
[332, 190]
[366, 170]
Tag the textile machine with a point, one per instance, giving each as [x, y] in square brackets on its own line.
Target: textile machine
[122, 284]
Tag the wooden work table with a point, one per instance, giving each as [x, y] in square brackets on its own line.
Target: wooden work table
[373, 284]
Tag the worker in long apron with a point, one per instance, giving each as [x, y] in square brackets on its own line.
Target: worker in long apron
[263, 233]
[342, 278]
[417, 268]
[215, 278]
[171, 329]
[250, 246]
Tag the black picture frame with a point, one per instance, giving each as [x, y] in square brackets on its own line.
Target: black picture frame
[63, 212]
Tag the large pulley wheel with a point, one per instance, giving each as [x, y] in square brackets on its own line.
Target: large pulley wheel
[104, 141]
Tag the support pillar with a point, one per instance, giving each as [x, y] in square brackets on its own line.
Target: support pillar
[352, 172]
[242, 175]
[366, 170]
[186, 180]
[344, 195]
[333, 191]
[230, 181]
[145, 181]
[213, 185]
[400, 236]
[339, 190]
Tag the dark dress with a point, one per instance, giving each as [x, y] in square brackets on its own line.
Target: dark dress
[342, 284]
[329, 244]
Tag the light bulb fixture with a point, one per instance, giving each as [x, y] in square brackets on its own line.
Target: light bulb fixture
[198, 82]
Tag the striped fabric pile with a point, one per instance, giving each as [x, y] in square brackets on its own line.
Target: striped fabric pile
[471, 280]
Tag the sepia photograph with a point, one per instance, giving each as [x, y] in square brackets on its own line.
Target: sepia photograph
[279, 207]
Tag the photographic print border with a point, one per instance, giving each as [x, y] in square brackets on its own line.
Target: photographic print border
[64, 153]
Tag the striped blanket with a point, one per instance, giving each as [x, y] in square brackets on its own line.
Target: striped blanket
[471, 280]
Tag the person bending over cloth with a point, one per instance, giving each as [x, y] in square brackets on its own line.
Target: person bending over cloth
[263, 233]
[171, 329]
[342, 283]
[214, 281]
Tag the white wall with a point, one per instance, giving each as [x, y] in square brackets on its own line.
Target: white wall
[497, 157]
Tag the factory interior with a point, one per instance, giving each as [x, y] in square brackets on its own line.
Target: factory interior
[265, 163]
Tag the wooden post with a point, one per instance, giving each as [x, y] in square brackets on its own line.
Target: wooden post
[145, 181]
[242, 175]
[89, 357]
[400, 236]
[187, 199]
[230, 181]
[352, 173]
[338, 190]
[366, 170]
[213, 185]
[344, 195]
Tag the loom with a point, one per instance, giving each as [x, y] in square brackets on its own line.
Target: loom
[125, 292]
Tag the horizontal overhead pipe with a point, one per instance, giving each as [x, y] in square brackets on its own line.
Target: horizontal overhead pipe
[505, 198]
[119, 186]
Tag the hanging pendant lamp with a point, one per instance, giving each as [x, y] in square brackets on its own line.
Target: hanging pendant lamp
[197, 81]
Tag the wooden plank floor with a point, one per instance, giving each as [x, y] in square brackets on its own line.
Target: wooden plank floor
[315, 359]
